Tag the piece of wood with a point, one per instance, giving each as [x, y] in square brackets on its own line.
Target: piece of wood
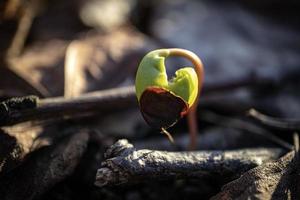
[37, 109]
[125, 164]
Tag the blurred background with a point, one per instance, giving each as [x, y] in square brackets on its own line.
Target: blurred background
[233, 38]
[250, 51]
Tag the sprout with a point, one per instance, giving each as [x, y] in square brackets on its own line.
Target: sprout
[162, 102]
[152, 73]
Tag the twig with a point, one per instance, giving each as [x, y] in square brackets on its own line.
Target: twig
[89, 103]
[126, 164]
[286, 124]
[15, 110]
[243, 125]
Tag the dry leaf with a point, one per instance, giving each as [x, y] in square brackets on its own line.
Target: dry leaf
[96, 61]
[78, 53]
[273, 180]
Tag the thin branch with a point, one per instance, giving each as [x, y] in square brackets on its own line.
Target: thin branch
[91, 103]
[125, 164]
[286, 124]
[22, 109]
[243, 125]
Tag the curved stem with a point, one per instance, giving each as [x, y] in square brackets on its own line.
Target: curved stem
[192, 118]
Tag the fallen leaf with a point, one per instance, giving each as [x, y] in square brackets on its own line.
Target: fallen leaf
[273, 180]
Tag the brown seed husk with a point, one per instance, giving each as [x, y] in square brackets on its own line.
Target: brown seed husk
[160, 108]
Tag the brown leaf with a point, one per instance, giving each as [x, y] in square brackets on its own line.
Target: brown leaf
[78, 53]
[42, 66]
[44, 168]
[93, 62]
[273, 180]
[110, 59]
[12, 85]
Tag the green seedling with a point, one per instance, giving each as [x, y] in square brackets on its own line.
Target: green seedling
[164, 101]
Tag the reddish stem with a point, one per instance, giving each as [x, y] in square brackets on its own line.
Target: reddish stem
[192, 118]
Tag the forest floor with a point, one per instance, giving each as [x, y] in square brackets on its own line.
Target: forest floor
[70, 125]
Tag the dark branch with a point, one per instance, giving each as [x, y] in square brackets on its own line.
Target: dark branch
[126, 164]
[106, 100]
[243, 125]
[286, 124]
[120, 98]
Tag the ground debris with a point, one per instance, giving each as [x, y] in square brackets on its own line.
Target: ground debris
[273, 180]
[44, 168]
[125, 164]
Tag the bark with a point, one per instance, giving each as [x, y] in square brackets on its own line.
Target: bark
[125, 164]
